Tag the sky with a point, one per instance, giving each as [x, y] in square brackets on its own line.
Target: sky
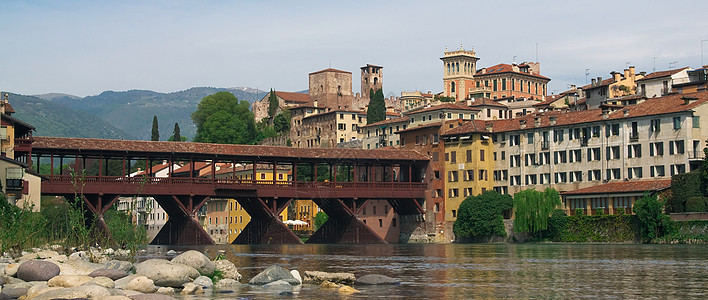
[86, 47]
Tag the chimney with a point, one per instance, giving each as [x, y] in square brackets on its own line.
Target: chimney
[489, 126]
[537, 121]
[572, 86]
[631, 72]
[626, 112]
[553, 120]
[522, 124]
[599, 80]
[616, 75]
[605, 114]
[687, 100]
[626, 73]
[593, 82]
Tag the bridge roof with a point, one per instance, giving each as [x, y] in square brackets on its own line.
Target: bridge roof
[119, 148]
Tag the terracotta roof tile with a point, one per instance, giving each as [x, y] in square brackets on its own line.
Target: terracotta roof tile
[294, 97]
[387, 121]
[605, 82]
[330, 70]
[549, 99]
[474, 126]
[505, 68]
[209, 151]
[662, 74]
[486, 102]
[445, 106]
[624, 187]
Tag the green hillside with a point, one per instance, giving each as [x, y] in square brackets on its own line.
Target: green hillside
[132, 111]
[52, 119]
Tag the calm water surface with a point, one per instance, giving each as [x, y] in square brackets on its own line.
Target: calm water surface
[455, 271]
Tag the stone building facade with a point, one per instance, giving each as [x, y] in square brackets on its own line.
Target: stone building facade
[371, 79]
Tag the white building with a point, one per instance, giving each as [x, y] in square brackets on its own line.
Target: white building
[661, 83]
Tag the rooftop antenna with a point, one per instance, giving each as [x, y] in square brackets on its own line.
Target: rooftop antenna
[514, 60]
[672, 64]
[654, 70]
[536, 52]
[626, 64]
[587, 72]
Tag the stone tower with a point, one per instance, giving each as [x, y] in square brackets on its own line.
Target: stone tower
[459, 67]
[331, 88]
[371, 78]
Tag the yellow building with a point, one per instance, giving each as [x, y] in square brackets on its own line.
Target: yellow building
[305, 210]
[468, 165]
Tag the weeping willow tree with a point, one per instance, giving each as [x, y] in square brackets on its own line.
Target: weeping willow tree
[532, 209]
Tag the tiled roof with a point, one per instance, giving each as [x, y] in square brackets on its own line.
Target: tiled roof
[209, 151]
[662, 74]
[445, 106]
[388, 113]
[154, 169]
[474, 126]
[486, 102]
[387, 121]
[624, 187]
[549, 99]
[605, 82]
[197, 166]
[424, 126]
[334, 111]
[330, 70]
[653, 106]
[505, 68]
[9, 109]
[294, 97]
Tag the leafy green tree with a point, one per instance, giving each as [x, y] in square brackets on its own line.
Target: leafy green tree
[532, 209]
[320, 219]
[273, 103]
[155, 130]
[704, 171]
[481, 216]
[377, 107]
[653, 222]
[281, 122]
[221, 118]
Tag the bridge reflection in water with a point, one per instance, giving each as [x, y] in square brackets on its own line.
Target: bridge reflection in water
[353, 177]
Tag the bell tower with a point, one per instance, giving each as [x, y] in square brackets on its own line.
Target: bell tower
[459, 67]
[371, 78]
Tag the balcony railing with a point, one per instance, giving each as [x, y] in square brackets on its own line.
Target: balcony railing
[634, 136]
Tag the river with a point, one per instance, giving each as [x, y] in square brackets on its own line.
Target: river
[458, 271]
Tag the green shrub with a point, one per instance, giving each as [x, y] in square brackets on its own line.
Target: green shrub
[481, 216]
[683, 187]
[653, 222]
[696, 204]
[557, 224]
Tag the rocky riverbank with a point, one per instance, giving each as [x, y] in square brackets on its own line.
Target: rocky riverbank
[53, 273]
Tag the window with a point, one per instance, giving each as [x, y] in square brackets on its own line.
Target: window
[613, 174]
[593, 154]
[263, 176]
[514, 139]
[495, 156]
[436, 138]
[657, 171]
[453, 156]
[436, 156]
[576, 176]
[546, 178]
[481, 155]
[515, 160]
[560, 157]
[482, 175]
[561, 177]
[677, 123]
[613, 152]
[678, 169]
[676, 147]
[469, 175]
[544, 158]
[594, 175]
[634, 172]
[515, 180]
[634, 134]
[452, 176]
[656, 149]
[452, 193]
[529, 138]
[503, 155]
[380, 223]
[575, 155]
[530, 159]
[696, 122]
[531, 179]
[438, 193]
[655, 125]
[468, 154]
[634, 150]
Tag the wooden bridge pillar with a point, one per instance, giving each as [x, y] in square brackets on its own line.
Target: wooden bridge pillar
[343, 226]
[96, 205]
[265, 227]
[181, 228]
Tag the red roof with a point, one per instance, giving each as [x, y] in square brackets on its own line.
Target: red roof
[330, 70]
[474, 126]
[605, 82]
[549, 99]
[209, 151]
[662, 74]
[387, 121]
[505, 68]
[486, 102]
[154, 169]
[197, 166]
[445, 106]
[624, 187]
[294, 97]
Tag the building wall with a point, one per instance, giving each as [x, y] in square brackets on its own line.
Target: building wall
[511, 84]
[217, 220]
[331, 89]
[371, 135]
[459, 67]
[371, 78]
[381, 218]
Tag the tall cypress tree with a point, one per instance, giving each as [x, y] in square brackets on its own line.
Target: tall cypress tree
[272, 104]
[155, 130]
[377, 107]
[175, 134]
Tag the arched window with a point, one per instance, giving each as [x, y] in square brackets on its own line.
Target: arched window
[448, 68]
[376, 81]
[452, 87]
[458, 67]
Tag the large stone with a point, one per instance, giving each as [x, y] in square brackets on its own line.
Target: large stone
[39, 255]
[11, 269]
[329, 285]
[274, 273]
[204, 281]
[166, 273]
[197, 260]
[116, 298]
[141, 284]
[228, 269]
[228, 284]
[114, 274]
[297, 276]
[192, 289]
[345, 289]
[84, 291]
[120, 283]
[119, 265]
[316, 277]
[376, 279]
[279, 285]
[78, 267]
[15, 293]
[38, 288]
[166, 290]
[152, 297]
[68, 280]
[104, 282]
[37, 270]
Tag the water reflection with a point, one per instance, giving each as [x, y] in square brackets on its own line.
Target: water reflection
[490, 271]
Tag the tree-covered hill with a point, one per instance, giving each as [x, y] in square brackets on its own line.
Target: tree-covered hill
[52, 119]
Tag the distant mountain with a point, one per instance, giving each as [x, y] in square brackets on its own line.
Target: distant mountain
[56, 96]
[52, 119]
[132, 111]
